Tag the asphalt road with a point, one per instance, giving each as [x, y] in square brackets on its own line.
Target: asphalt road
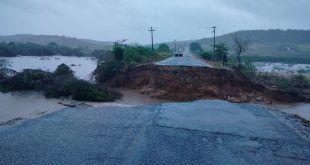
[188, 59]
[200, 132]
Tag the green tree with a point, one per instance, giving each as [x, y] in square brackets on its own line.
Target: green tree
[102, 55]
[221, 50]
[118, 53]
[163, 48]
[64, 70]
[195, 47]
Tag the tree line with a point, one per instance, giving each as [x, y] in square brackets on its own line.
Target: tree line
[30, 49]
[239, 47]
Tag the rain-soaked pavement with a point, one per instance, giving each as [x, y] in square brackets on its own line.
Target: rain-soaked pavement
[188, 59]
[200, 132]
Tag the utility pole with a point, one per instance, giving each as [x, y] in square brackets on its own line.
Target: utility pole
[214, 30]
[175, 46]
[152, 30]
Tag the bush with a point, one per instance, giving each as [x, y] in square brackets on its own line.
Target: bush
[206, 55]
[85, 91]
[61, 83]
[107, 70]
[301, 71]
[118, 53]
[248, 69]
[64, 70]
[78, 89]
[125, 56]
[27, 80]
[299, 81]
[295, 83]
[61, 87]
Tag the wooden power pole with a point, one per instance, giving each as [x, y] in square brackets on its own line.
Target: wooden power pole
[175, 46]
[152, 30]
[214, 30]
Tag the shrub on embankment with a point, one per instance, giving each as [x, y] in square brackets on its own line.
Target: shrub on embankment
[61, 83]
[128, 56]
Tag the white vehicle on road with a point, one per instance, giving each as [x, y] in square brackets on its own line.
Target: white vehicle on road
[178, 53]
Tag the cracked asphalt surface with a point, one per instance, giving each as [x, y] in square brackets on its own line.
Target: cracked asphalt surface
[200, 132]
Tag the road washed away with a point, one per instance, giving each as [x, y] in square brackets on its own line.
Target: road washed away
[199, 132]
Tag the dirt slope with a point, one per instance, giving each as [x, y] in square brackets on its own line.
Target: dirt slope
[192, 83]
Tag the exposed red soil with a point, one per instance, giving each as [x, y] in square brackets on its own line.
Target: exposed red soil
[192, 83]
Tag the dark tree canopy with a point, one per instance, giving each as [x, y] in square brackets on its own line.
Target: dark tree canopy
[64, 70]
[163, 48]
[30, 49]
[118, 53]
[220, 51]
[196, 47]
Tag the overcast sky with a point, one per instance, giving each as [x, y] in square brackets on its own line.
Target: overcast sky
[110, 20]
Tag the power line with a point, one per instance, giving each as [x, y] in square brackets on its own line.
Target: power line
[152, 30]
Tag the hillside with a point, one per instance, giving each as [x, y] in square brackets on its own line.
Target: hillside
[284, 43]
[60, 40]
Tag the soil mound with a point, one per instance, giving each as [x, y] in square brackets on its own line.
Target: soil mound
[192, 83]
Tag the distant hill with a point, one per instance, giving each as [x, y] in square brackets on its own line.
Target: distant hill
[60, 40]
[285, 43]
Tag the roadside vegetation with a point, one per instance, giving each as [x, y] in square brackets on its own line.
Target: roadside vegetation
[124, 56]
[219, 56]
[238, 59]
[61, 83]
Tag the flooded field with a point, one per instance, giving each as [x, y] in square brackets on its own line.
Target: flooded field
[82, 66]
[31, 104]
[281, 68]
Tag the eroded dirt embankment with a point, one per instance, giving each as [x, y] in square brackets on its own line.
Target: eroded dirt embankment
[192, 83]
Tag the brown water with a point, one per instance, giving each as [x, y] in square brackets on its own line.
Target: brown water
[34, 104]
[26, 105]
[300, 109]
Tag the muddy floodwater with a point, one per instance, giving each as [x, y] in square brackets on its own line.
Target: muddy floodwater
[32, 104]
[25, 105]
[82, 66]
[281, 68]
[300, 109]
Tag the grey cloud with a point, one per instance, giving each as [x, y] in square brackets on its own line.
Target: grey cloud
[173, 19]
